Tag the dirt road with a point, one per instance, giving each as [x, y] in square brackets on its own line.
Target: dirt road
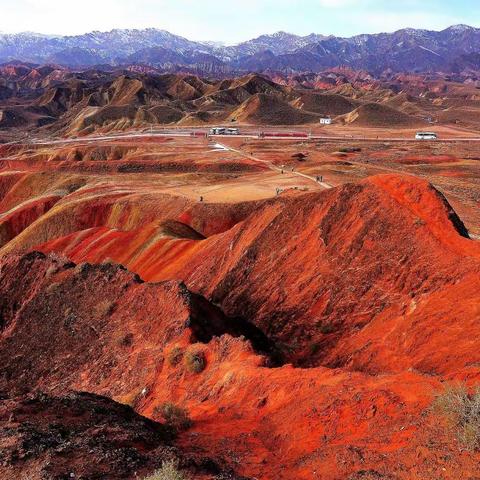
[274, 167]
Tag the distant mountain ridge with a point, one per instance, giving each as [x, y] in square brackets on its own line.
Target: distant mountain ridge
[409, 50]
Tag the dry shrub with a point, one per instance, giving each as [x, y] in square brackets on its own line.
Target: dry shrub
[175, 417]
[169, 471]
[461, 409]
[195, 361]
[175, 356]
[349, 150]
[104, 308]
[52, 270]
[52, 287]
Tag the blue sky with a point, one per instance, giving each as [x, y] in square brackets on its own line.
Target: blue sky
[234, 21]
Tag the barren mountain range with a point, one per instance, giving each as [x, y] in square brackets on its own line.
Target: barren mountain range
[451, 50]
[70, 102]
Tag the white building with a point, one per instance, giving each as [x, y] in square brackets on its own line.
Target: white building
[325, 121]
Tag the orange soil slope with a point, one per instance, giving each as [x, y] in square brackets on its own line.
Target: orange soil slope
[100, 329]
[361, 282]
[85, 202]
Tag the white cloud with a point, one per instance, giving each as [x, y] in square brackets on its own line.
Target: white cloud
[336, 3]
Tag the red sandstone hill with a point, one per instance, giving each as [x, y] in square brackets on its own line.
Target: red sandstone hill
[263, 109]
[408, 242]
[352, 263]
[377, 115]
[371, 285]
[96, 339]
[104, 359]
[325, 104]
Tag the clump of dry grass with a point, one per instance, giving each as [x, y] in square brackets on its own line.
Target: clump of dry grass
[169, 471]
[175, 417]
[195, 361]
[175, 356]
[104, 308]
[461, 409]
[52, 287]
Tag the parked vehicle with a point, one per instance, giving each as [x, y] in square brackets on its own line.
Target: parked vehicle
[426, 136]
[224, 131]
[218, 131]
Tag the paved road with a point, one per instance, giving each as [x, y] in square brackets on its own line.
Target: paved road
[109, 137]
[252, 135]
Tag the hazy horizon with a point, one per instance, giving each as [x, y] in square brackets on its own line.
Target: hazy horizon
[234, 24]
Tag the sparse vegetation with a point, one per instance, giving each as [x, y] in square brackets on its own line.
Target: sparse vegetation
[315, 348]
[52, 287]
[349, 149]
[175, 417]
[51, 270]
[105, 308]
[175, 356]
[169, 471]
[127, 340]
[195, 361]
[326, 328]
[461, 410]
